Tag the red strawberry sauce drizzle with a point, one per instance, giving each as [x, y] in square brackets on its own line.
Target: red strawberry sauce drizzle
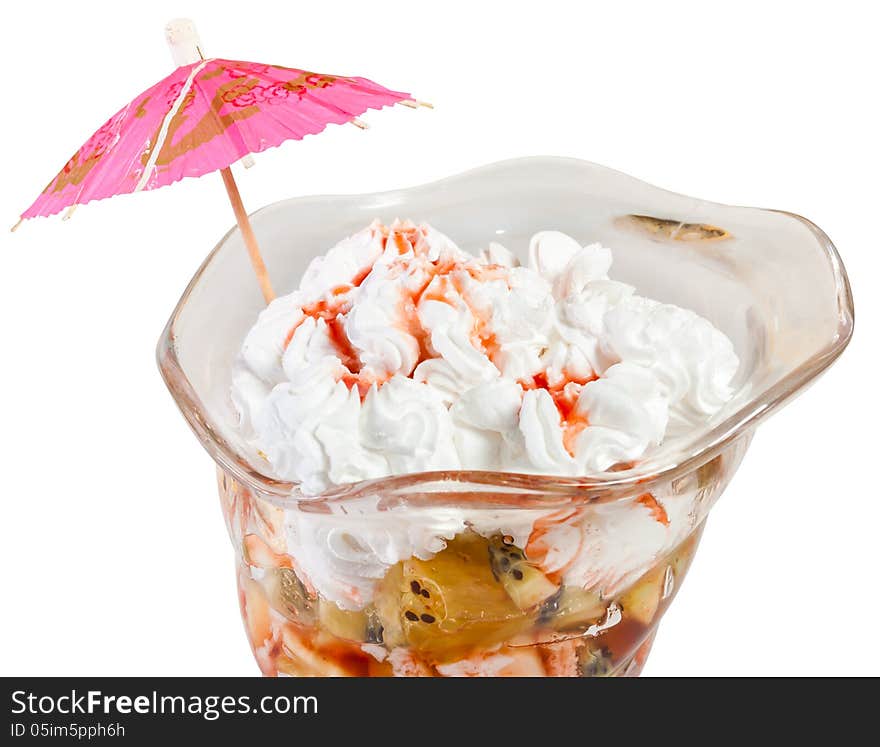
[564, 393]
[406, 239]
[654, 506]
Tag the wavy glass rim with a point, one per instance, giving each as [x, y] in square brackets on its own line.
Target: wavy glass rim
[526, 487]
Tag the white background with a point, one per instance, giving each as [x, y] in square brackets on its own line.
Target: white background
[113, 554]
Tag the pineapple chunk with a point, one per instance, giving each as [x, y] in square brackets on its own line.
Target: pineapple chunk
[448, 606]
[353, 625]
[641, 601]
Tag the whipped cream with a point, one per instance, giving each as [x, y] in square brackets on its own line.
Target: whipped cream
[401, 353]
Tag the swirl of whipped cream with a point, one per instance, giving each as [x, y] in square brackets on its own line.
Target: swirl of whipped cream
[409, 423]
[567, 265]
[541, 435]
[309, 431]
[458, 365]
[517, 307]
[310, 345]
[576, 350]
[259, 366]
[585, 294]
[693, 361]
[373, 325]
[589, 265]
[350, 259]
[550, 252]
[486, 417]
[265, 342]
[627, 412]
[249, 394]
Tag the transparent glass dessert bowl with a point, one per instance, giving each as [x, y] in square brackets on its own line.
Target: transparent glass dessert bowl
[771, 281]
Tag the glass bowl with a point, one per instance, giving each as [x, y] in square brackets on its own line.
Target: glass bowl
[498, 601]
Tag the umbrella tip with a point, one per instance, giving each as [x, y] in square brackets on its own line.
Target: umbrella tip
[178, 28]
[183, 39]
[415, 103]
[15, 227]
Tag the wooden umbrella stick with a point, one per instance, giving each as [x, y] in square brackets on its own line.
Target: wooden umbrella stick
[247, 232]
[183, 40]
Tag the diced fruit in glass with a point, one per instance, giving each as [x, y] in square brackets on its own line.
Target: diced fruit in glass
[526, 585]
[450, 604]
[573, 608]
[641, 601]
[288, 595]
[353, 625]
[255, 610]
[595, 661]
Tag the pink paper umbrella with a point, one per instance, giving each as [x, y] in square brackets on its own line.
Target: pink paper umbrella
[205, 116]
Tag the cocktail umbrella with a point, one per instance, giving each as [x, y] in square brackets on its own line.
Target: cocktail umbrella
[205, 116]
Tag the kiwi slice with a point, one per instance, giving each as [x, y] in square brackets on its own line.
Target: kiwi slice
[288, 595]
[353, 625]
[449, 605]
[524, 583]
[571, 608]
[595, 662]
